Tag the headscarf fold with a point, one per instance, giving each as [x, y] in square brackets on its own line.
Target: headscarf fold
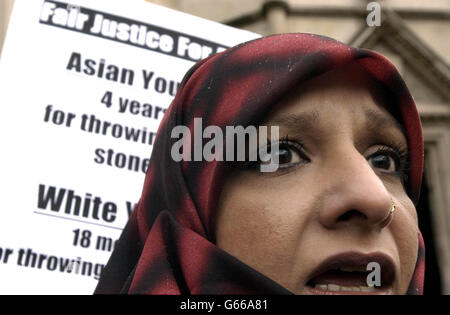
[168, 245]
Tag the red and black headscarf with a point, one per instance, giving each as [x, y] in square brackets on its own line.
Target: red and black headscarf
[168, 245]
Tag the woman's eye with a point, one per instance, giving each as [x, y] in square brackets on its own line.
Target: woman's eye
[383, 161]
[288, 154]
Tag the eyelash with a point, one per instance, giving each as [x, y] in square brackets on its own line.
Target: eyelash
[285, 140]
[401, 155]
[296, 145]
[397, 151]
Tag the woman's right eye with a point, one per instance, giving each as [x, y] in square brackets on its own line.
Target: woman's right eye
[288, 154]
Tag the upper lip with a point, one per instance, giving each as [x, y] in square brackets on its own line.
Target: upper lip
[358, 261]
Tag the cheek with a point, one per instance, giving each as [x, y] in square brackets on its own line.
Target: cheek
[405, 231]
[261, 227]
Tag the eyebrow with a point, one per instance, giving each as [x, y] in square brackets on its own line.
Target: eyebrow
[376, 120]
[309, 120]
[306, 120]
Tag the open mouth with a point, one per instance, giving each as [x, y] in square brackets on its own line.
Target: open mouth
[347, 273]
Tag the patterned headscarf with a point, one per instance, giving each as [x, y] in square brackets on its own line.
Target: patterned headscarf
[168, 245]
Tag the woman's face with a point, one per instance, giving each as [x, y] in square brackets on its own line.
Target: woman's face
[340, 154]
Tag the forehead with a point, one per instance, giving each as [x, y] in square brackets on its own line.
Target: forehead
[346, 94]
[339, 84]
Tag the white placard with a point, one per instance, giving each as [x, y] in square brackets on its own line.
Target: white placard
[83, 88]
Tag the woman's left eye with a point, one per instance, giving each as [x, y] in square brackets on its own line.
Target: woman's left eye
[383, 161]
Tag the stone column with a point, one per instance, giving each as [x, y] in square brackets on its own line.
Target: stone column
[276, 12]
[5, 12]
[166, 3]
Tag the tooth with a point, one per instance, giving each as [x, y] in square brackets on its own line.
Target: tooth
[321, 287]
[367, 289]
[334, 287]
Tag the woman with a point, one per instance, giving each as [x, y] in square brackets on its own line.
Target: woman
[350, 161]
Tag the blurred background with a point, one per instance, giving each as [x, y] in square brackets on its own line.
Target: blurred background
[413, 34]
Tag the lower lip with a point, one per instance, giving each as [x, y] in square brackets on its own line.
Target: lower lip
[313, 291]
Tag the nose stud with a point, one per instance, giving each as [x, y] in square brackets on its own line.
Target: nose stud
[391, 212]
[389, 216]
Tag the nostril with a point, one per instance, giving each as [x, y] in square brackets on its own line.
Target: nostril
[352, 214]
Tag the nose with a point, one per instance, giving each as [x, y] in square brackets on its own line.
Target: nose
[355, 194]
